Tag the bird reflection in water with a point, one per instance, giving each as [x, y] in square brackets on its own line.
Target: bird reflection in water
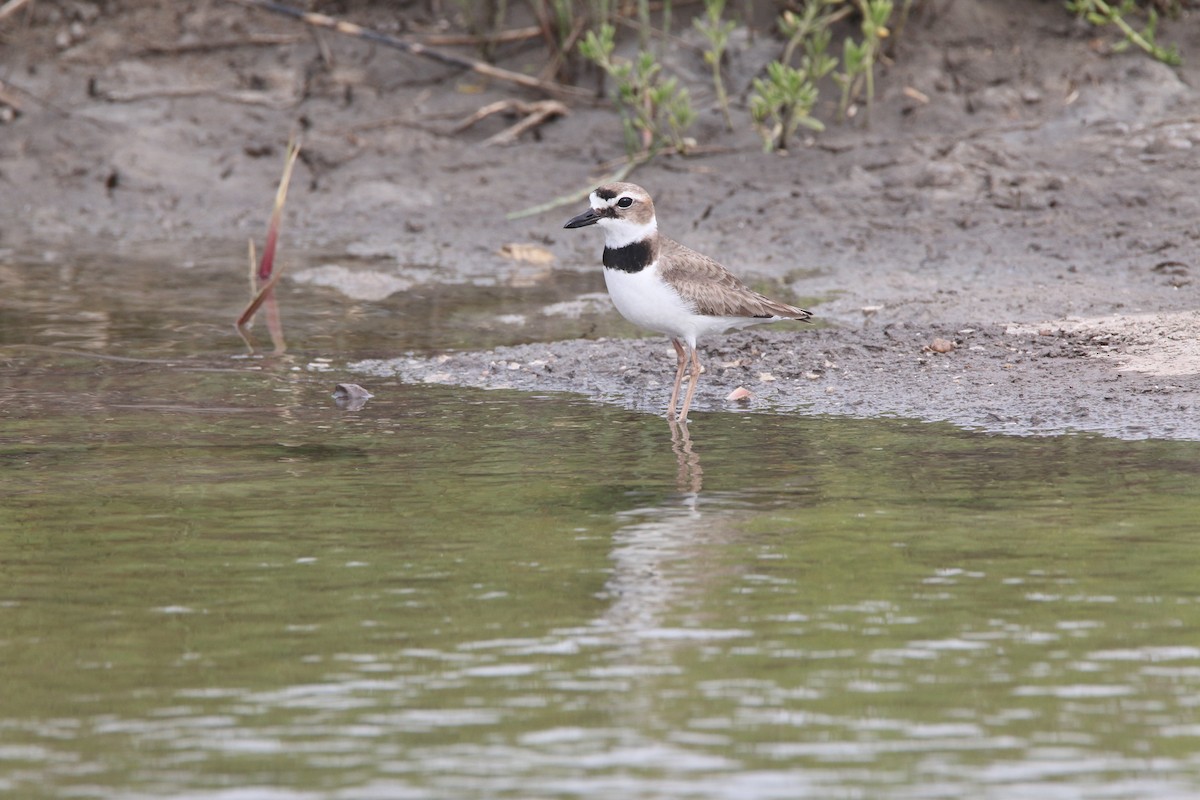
[690, 475]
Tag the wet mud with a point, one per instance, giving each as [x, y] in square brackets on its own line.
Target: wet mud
[994, 379]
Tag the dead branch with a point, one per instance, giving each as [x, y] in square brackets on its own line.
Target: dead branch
[416, 49]
[500, 37]
[244, 97]
[533, 114]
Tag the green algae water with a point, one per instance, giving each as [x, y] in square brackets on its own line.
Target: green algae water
[216, 583]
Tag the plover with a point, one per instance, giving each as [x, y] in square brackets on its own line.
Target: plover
[659, 284]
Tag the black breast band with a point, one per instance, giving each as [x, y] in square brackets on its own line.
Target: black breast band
[632, 257]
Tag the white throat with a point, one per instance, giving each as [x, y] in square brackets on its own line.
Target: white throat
[621, 232]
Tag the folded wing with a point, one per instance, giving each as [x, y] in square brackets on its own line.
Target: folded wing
[715, 291]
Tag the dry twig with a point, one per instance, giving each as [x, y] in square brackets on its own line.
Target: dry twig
[499, 37]
[534, 114]
[416, 49]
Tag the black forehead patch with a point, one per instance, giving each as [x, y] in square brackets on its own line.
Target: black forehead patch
[605, 194]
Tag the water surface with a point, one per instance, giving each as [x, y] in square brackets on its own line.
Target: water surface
[218, 584]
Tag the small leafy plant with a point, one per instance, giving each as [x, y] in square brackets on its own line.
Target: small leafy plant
[1100, 13]
[859, 58]
[715, 29]
[656, 111]
[783, 101]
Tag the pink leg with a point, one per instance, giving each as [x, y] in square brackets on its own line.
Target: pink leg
[691, 390]
[679, 351]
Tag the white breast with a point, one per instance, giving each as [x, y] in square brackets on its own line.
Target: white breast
[643, 299]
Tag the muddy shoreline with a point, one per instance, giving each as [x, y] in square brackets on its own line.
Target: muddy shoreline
[1038, 209]
[995, 379]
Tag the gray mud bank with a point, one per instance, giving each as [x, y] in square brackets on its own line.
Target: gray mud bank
[1129, 377]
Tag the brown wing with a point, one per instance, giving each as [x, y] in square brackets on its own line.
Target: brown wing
[713, 290]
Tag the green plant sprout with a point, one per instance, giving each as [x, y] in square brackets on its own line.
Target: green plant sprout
[783, 101]
[1100, 13]
[716, 31]
[655, 111]
[559, 20]
[797, 28]
[859, 58]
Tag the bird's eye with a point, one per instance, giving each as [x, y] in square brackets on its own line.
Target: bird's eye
[625, 202]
